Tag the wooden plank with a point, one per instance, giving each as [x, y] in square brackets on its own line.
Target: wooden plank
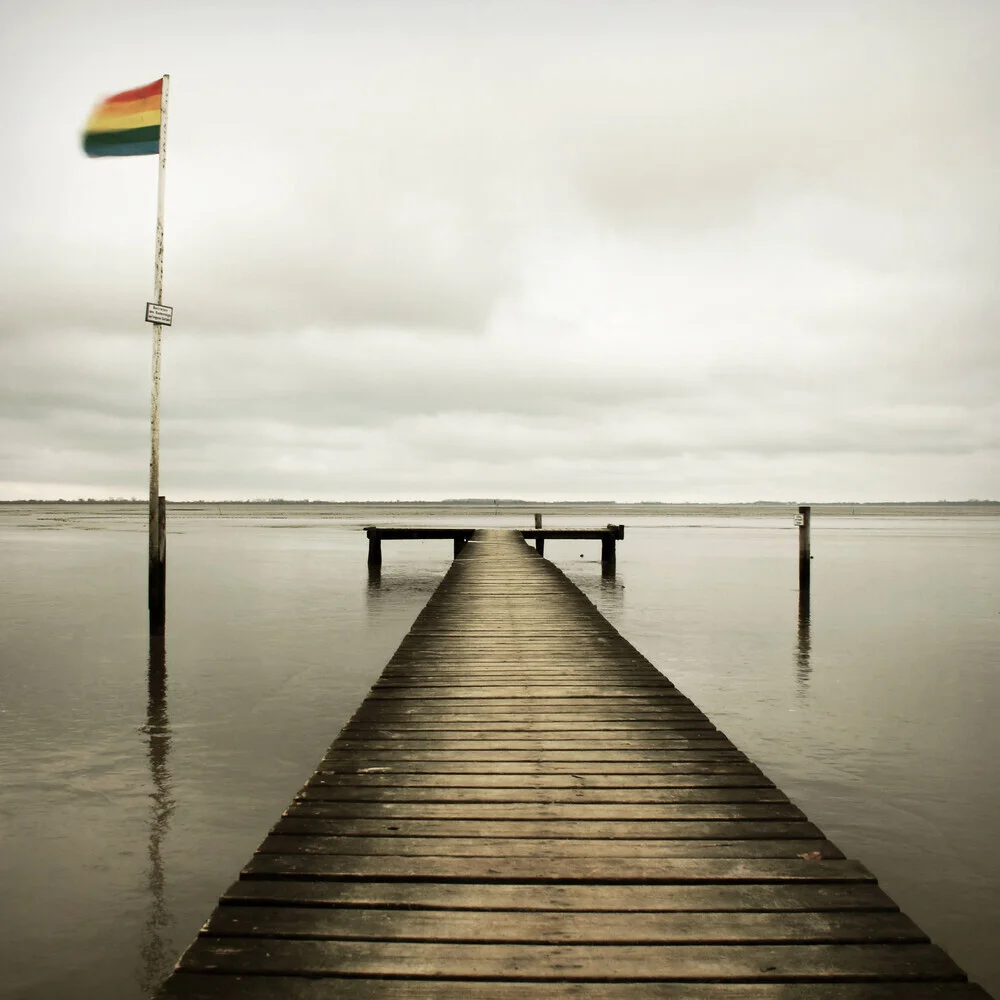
[694, 730]
[410, 728]
[696, 776]
[581, 813]
[664, 742]
[193, 986]
[419, 533]
[326, 819]
[575, 769]
[780, 843]
[486, 715]
[706, 897]
[372, 757]
[476, 666]
[657, 688]
[514, 693]
[527, 870]
[434, 793]
[570, 927]
[770, 963]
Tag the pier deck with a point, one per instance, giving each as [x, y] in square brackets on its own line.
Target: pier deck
[523, 806]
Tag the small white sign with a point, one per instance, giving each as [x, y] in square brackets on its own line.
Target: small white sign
[800, 519]
[164, 315]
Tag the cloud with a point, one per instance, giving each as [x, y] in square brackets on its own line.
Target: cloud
[626, 250]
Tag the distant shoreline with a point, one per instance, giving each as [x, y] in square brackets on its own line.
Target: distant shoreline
[608, 508]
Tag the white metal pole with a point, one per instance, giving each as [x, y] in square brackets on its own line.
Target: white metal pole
[156, 542]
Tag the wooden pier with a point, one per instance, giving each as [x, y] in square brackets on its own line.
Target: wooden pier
[523, 806]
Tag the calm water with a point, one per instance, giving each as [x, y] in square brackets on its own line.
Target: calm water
[128, 804]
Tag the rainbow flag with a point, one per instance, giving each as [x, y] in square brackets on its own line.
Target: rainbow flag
[127, 124]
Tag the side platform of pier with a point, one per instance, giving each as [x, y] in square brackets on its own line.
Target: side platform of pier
[523, 806]
[608, 537]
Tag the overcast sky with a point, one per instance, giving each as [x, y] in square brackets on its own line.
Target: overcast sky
[631, 250]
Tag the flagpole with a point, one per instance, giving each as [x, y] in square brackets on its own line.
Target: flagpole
[157, 506]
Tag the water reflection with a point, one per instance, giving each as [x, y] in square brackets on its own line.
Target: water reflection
[803, 668]
[405, 583]
[156, 950]
[612, 589]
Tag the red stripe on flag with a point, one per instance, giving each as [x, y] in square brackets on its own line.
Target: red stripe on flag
[134, 95]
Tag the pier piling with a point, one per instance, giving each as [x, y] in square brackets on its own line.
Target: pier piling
[805, 557]
[157, 591]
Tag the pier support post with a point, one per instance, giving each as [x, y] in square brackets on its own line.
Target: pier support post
[460, 541]
[158, 571]
[539, 542]
[374, 547]
[608, 554]
[805, 515]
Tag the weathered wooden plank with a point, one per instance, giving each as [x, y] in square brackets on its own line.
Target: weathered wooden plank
[696, 776]
[525, 730]
[370, 840]
[422, 793]
[562, 677]
[571, 962]
[713, 741]
[568, 927]
[472, 712]
[485, 668]
[194, 986]
[578, 768]
[706, 897]
[610, 870]
[372, 757]
[739, 812]
[500, 696]
[325, 819]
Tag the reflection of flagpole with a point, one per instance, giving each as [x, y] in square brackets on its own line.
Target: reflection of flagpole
[156, 951]
[803, 645]
[157, 508]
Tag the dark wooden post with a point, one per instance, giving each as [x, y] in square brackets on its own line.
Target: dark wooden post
[608, 550]
[805, 557]
[157, 601]
[374, 547]
[460, 541]
[539, 542]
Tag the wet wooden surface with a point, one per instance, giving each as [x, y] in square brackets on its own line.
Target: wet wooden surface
[524, 806]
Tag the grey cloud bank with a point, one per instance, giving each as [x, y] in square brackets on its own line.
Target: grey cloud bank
[653, 251]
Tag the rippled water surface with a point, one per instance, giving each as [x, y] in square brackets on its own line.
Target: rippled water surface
[135, 782]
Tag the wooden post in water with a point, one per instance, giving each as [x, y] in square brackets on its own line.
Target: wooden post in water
[805, 514]
[374, 547]
[608, 550]
[460, 541]
[158, 569]
[539, 542]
